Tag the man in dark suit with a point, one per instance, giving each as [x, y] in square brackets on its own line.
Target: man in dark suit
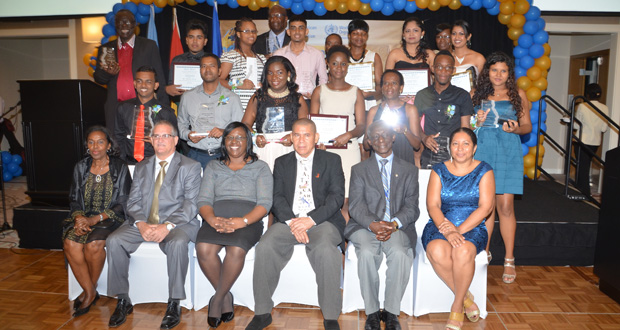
[132, 52]
[161, 208]
[383, 204]
[308, 194]
[276, 37]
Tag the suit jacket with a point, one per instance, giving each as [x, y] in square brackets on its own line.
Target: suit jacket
[260, 46]
[145, 52]
[177, 196]
[367, 199]
[327, 189]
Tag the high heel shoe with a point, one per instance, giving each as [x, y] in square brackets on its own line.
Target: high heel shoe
[229, 316]
[473, 316]
[82, 311]
[489, 256]
[458, 317]
[509, 278]
[76, 303]
[213, 322]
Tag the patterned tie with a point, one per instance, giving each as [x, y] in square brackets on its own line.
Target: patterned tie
[154, 214]
[138, 145]
[386, 190]
[305, 193]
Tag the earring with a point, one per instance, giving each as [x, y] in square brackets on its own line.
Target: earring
[288, 79]
[88, 151]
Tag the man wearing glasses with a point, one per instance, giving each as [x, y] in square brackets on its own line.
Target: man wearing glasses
[442, 108]
[276, 38]
[205, 110]
[161, 208]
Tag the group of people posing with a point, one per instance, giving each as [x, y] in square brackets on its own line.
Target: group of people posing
[264, 162]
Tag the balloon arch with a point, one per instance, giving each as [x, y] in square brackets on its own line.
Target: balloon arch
[525, 28]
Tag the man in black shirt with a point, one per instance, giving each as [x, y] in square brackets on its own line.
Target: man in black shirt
[442, 108]
[196, 40]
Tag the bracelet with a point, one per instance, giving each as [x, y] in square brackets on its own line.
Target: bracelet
[100, 217]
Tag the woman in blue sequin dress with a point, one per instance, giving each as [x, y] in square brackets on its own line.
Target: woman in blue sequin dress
[503, 113]
[460, 196]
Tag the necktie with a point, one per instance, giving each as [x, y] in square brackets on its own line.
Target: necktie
[138, 145]
[154, 214]
[386, 190]
[305, 195]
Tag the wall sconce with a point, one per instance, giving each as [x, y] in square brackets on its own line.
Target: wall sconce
[91, 29]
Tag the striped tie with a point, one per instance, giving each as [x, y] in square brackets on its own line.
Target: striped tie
[386, 190]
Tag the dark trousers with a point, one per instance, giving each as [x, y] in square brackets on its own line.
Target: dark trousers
[585, 159]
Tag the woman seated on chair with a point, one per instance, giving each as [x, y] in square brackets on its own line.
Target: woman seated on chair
[460, 195]
[235, 195]
[98, 194]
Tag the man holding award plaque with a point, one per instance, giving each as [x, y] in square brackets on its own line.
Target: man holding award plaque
[196, 40]
[442, 108]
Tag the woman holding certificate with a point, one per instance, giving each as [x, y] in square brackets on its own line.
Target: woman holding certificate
[337, 97]
[466, 58]
[503, 113]
[274, 107]
[414, 52]
[242, 67]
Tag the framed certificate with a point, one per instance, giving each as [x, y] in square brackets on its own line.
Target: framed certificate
[186, 74]
[415, 80]
[463, 80]
[362, 75]
[330, 127]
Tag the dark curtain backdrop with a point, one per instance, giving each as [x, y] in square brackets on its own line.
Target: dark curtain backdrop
[489, 34]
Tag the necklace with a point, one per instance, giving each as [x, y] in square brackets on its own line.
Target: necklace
[460, 59]
[361, 59]
[277, 95]
[98, 177]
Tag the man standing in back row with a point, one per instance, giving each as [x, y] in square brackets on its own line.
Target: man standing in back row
[276, 38]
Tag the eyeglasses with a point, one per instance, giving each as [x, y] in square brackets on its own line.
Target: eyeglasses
[443, 37]
[377, 137]
[277, 15]
[161, 136]
[250, 31]
[441, 68]
[237, 138]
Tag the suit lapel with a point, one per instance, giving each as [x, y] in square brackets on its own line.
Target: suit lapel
[374, 172]
[148, 182]
[172, 170]
[291, 177]
[394, 182]
[317, 168]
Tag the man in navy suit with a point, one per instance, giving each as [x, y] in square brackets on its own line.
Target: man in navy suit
[308, 194]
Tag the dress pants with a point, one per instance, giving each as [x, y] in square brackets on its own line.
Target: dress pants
[275, 249]
[585, 160]
[399, 258]
[126, 239]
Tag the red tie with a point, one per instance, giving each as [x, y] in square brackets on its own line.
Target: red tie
[138, 146]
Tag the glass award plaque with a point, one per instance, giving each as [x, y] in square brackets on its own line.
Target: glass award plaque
[274, 121]
[108, 56]
[144, 130]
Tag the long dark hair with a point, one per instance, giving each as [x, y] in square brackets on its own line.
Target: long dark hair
[420, 53]
[484, 88]
[465, 26]
[249, 151]
[261, 93]
[108, 136]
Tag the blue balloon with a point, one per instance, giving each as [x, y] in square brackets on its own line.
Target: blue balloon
[319, 9]
[365, 1]
[477, 4]
[543, 127]
[532, 14]
[519, 52]
[411, 7]
[105, 40]
[233, 4]
[526, 40]
[297, 8]
[520, 72]
[466, 3]
[399, 4]
[157, 10]
[93, 66]
[202, 1]
[518, 61]
[222, 2]
[286, 3]
[530, 27]
[117, 7]
[18, 172]
[526, 62]
[494, 11]
[297, 1]
[376, 5]
[529, 139]
[142, 19]
[6, 176]
[525, 150]
[537, 51]
[541, 23]
[543, 118]
[488, 4]
[534, 116]
[534, 106]
[210, 3]
[388, 0]
[17, 159]
[12, 167]
[144, 9]
[6, 157]
[541, 37]
[388, 9]
[108, 30]
[132, 7]
[308, 4]
[110, 18]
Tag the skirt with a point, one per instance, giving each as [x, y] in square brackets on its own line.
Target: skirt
[244, 238]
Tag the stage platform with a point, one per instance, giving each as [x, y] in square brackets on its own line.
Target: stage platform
[552, 230]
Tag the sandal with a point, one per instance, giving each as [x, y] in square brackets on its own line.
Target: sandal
[509, 278]
[473, 316]
[458, 317]
[489, 256]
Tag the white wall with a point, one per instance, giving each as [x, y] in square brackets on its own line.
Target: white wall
[589, 43]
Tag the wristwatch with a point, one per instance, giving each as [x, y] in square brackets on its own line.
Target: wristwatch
[246, 221]
[395, 224]
[169, 226]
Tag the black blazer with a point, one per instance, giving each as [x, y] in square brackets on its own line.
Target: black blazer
[145, 52]
[120, 194]
[327, 189]
[260, 46]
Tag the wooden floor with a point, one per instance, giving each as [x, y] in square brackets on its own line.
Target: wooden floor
[33, 295]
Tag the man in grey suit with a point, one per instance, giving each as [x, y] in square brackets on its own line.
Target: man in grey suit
[161, 208]
[383, 204]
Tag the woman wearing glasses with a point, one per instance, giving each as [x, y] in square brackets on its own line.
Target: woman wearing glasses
[235, 195]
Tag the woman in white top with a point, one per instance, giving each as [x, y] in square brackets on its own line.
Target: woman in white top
[465, 57]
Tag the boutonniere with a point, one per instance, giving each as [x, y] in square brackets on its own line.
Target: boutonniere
[450, 111]
[156, 109]
[235, 83]
[223, 100]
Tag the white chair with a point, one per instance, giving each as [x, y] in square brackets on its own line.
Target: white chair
[431, 294]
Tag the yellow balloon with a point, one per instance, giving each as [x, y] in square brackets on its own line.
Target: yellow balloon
[147, 2]
[422, 4]
[547, 49]
[273, 3]
[517, 20]
[514, 33]
[507, 8]
[354, 5]
[124, 1]
[253, 5]
[179, 1]
[95, 52]
[541, 151]
[540, 83]
[522, 6]
[191, 2]
[365, 9]
[455, 4]
[112, 38]
[515, 42]
[93, 62]
[330, 5]
[524, 83]
[160, 3]
[86, 59]
[171, 2]
[534, 73]
[342, 8]
[528, 160]
[533, 94]
[544, 73]
[91, 71]
[262, 3]
[504, 18]
[529, 172]
[543, 62]
[136, 1]
[444, 3]
[243, 3]
[434, 5]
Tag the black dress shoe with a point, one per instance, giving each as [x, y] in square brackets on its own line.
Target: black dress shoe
[123, 308]
[76, 303]
[173, 315]
[373, 321]
[81, 311]
[331, 325]
[259, 322]
[229, 316]
[213, 322]
[391, 321]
